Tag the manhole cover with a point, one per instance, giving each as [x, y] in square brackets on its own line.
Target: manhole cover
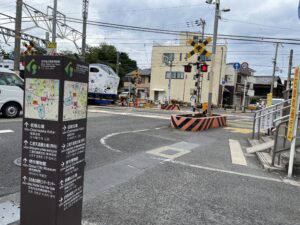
[18, 162]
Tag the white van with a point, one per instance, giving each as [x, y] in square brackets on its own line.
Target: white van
[11, 93]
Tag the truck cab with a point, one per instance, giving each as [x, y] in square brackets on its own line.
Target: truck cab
[11, 93]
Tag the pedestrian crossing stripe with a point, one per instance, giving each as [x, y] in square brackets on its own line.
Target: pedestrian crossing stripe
[238, 130]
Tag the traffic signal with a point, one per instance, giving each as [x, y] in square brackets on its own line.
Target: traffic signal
[132, 80]
[187, 68]
[136, 74]
[204, 68]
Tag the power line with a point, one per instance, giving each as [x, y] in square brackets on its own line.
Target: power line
[292, 41]
[258, 24]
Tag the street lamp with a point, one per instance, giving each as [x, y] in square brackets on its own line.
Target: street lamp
[216, 22]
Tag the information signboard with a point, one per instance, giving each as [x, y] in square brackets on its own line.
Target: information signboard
[54, 140]
[294, 106]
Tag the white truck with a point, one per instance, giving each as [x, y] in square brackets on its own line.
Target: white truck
[103, 84]
[11, 93]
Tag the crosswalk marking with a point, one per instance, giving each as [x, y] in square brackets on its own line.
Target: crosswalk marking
[237, 155]
[239, 130]
[6, 131]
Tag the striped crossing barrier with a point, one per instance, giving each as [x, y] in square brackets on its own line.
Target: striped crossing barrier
[171, 107]
[188, 123]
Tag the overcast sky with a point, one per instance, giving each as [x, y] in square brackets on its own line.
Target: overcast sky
[272, 18]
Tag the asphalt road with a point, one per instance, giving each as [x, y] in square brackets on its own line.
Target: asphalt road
[132, 178]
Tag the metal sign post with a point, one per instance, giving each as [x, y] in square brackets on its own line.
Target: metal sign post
[54, 140]
[293, 121]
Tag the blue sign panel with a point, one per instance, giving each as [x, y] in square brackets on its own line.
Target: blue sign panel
[236, 66]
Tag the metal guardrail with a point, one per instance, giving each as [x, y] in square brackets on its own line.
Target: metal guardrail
[280, 122]
[272, 113]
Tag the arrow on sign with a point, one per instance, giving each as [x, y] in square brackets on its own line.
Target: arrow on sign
[26, 124]
[61, 200]
[25, 142]
[64, 127]
[63, 146]
[62, 164]
[61, 183]
[25, 160]
[24, 178]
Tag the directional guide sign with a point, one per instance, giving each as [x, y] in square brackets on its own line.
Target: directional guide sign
[54, 140]
[236, 66]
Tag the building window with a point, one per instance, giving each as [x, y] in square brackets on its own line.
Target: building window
[195, 38]
[167, 57]
[175, 75]
[180, 57]
[204, 58]
[227, 78]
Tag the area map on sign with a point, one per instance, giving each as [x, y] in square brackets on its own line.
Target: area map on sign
[75, 100]
[41, 99]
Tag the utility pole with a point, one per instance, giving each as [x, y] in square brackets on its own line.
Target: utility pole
[274, 69]
[47, 36]
[85, 6]
[54, 21]
[244, 95]
[18, 26]
[210, 88]
[170, 79]
[289, 74]
[117, 66]
[168, 60]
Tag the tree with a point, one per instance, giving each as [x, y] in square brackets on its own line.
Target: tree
[107, 54]
[3, 53]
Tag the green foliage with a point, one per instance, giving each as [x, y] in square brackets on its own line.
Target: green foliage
[107, 54]
[3, 53]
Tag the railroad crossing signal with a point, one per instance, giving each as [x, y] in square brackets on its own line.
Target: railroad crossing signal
[200, 47]
[29, 48]
[135, 77]
[136, 73]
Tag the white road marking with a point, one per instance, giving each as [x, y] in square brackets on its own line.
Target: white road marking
[105, 138]
[88, 223]
[6, 131]
[132, 114]
[295, 183]
[160, 152]
[237, 155]
[10, 120]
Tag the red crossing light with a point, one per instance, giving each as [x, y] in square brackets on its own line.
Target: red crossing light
[204, 68]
